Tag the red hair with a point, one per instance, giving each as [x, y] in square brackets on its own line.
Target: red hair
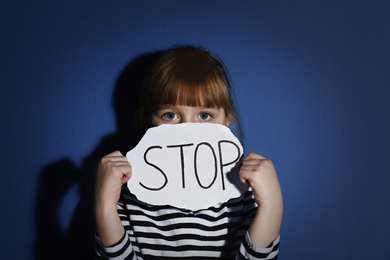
[188, 76]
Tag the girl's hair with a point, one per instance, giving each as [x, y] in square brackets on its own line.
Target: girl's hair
[190, 76]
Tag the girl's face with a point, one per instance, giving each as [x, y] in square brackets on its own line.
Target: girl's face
[169, 114]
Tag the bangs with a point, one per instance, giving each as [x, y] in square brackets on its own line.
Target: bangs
[208, 92]
[190, 79]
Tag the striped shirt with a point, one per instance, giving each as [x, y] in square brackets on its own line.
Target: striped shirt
[166, 232]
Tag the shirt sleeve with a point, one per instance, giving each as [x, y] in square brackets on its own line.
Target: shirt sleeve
[121, 250]
[248, 250]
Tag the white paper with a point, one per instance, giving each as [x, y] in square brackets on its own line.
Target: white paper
[189, 166]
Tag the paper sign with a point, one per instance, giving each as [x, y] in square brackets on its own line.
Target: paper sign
[189, 166]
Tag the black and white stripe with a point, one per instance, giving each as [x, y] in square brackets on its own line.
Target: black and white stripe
[156, 232]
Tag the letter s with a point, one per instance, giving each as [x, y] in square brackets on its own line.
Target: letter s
[154, 166]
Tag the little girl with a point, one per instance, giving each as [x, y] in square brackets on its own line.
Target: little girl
[188, 84]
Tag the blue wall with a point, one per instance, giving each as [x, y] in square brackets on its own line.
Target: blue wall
[312, 80]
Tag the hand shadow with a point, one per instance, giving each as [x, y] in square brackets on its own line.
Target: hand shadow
[59, 177]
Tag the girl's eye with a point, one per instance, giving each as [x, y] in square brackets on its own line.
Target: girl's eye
[205, 116]
[169, 116]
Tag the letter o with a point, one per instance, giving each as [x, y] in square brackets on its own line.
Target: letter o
[195, 165]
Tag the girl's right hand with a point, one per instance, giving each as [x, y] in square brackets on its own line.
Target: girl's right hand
[113, 171]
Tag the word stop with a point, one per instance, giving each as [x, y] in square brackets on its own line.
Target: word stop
[201, 150]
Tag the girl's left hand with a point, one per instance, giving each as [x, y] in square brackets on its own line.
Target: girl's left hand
[259, 172]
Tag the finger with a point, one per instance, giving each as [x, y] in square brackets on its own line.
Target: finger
[246, 177]
[247, 173]
[253, 155]
[114, 158]
[114, 153]
[248, 168]
[251, 159]
[115, 164]
[122, 171]
[126, 173]
[253, 162]
[126, 177]
[120, 168]
[244, 181]
[124, 166]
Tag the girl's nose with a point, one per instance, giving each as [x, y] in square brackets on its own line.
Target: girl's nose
[187, 120]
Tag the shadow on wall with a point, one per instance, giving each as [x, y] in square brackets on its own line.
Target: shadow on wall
[59, 177]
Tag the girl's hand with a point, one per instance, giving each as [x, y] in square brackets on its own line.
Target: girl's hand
[259, 172]
[113, 171]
